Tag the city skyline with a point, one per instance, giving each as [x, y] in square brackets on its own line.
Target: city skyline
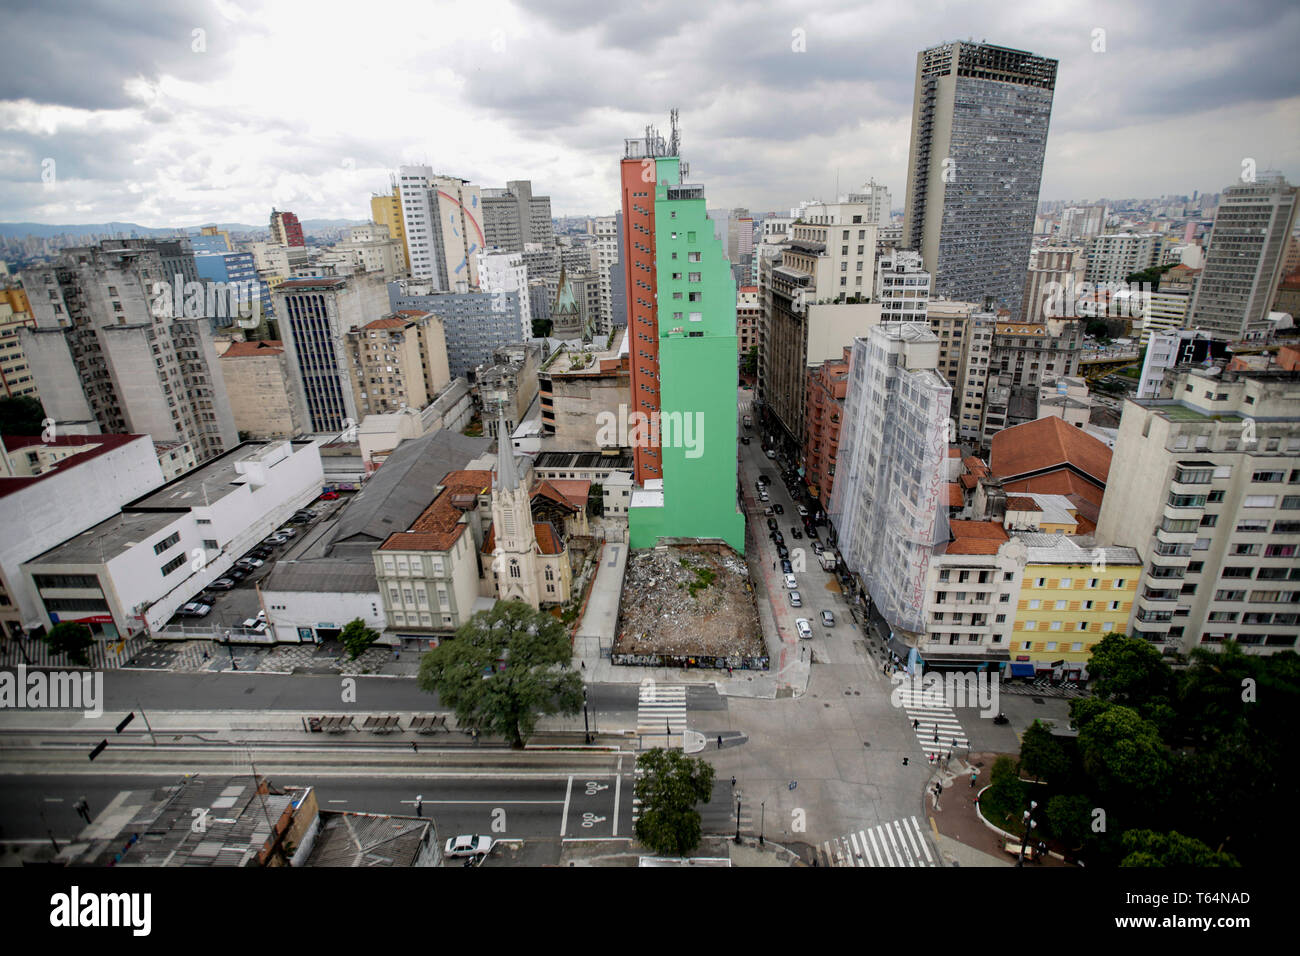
[200, 112]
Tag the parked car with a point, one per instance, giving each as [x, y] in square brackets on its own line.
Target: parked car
[744, 439]
[764, 497]
[768, 511]
[771, 524]
[764, 479]
[795, 599]
[288, 532]
[804, 627]
[803, 512]
[778, 538]
[812, 532]
[468, 845]
[278, 538]
[261, 615]
[782, 552]
[816, 545]
[329, 496]
[785, 567]
[222, 584]
[795, 532]
[770, 453]
[250, 563]
[195, 609]
[779, 509]
[791, 583]
[828, 619]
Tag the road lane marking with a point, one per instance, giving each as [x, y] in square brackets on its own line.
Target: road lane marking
[618, 793]
[568, 794]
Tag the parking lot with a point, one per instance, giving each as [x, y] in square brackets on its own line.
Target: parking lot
[231, 608]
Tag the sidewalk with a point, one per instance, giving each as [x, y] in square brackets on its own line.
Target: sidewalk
[963, 831]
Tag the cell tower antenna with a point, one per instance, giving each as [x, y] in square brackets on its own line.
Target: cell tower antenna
[675, 141]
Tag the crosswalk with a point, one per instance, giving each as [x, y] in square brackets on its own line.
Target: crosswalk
[661, 714]
[102, 655]
[937, 728]
[898, 843]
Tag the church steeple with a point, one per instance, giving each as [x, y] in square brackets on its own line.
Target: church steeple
[507, 476]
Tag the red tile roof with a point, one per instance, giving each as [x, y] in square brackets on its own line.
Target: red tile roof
[388, 322]
[1044, 444]
[1021, 503]
[439, 526]
[549, 489]
[955, 496]
[975, 466]
[246, 349]
[954, 452]
[975, 537]
[1059, 482]
[576, 490]
[548, 541]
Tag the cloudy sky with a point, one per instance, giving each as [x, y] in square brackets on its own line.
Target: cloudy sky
[182, 112]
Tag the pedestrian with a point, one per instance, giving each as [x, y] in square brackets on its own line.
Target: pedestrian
[915, 723]
[719, 741]
[584, 665]
[936, 736]
[773, 565]
[733, 783]
[415, 746]
[974, 776]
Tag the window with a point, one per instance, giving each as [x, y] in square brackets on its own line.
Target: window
[1067, 582]
[1260, 501]
[1267, 476]
[211, 544]
[1214, 497]
[166, 543]
[173, 564]
[1031, 625]
[693, 277]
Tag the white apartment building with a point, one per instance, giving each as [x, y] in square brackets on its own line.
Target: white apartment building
[889, 501]
[902, 287]
[442, 217]
[1206, 487]
[1167, 349]
[1050, 268]
[974, 376]
[606, 256]
[1168, 306]
[505, 272]
[139, 566]
[1114, 258]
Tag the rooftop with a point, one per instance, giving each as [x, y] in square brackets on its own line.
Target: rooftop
[975, 537]
[93, 446]
[247, 349]
[1046, 444]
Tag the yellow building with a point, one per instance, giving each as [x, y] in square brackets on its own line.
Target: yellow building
[16, 376]
[387, 211]
[1071, 597]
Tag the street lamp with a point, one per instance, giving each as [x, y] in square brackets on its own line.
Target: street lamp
[586, 728]
[1030, 825]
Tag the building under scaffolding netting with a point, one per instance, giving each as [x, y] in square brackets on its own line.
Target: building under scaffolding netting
[888, 505]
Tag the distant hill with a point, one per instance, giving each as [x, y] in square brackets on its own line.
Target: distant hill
[16, 230]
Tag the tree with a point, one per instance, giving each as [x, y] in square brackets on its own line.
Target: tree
[356, 637]
[504, 668]
[542, 328]
[1149, 848]
[1129, 670]
[21, 415]
[1123, 753]
[1098, 329]
[72, 639]
[1070, 816]
[1041, 754]
[669, 788]
[596, 500]
[749, 364]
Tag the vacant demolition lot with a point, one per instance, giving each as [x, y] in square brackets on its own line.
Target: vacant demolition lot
[688, 600]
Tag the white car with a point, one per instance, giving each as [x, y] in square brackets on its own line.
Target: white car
[195, 609]
[828, 619]
[796, 600]
[250, 562]
[770, 453]
[804, 627]
[790, 582]
[468, 845]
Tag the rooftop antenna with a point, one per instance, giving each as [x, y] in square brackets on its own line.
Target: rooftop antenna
[675, 140]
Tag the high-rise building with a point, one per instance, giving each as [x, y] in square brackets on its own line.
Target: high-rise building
[441, 217]
[505, 272]
[902, 286]
[979, 132]
[386, 210]
[514, 217]
[398, 361]
[474, 323]
[315, 315]
[1168, 304]
[264, 395]
[889, 504]
[1116, 257]
[1206, 487]
[828, 384]
[1083, 222]
[1166, 349]
[285, 229]
[1244, 261]
[16, 376]
[108, 354]
[683, 353]
[606, 232]
[876, 198]
[749, 314]
[1052, 269]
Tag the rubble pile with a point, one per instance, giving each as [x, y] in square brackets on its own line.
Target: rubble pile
[684, 600]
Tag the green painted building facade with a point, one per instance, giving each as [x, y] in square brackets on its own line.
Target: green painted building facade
[698, 373]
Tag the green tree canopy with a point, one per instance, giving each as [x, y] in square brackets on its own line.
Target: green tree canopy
[1041, 755]
[670, 787]
[1123, 752]
[1148, 848]
[503, 669]
[1129, 670]
[1070, 816]
[356, 637]
[72, 639]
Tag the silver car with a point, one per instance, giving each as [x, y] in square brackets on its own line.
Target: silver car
[796, 599]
